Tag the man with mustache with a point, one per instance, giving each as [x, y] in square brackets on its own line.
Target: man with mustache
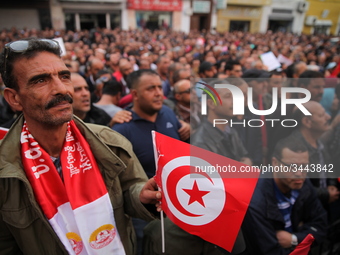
[62, 182]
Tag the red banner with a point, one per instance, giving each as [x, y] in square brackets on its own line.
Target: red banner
[155, 5]
[3, 132]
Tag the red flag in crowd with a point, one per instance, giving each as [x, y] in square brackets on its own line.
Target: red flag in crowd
[3, 132]
[198, 199]
[303, 247]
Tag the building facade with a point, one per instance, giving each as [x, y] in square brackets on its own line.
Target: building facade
[322, 17]
[242, 15]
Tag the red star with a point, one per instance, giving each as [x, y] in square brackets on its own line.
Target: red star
[196, 194]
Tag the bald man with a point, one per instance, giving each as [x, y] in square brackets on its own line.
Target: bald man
[308, 132]
[187, 106]
[95, 65]
[125, 68]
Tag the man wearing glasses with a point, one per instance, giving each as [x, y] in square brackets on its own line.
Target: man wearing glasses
[187, 105]
[284, 209]
[62, 183]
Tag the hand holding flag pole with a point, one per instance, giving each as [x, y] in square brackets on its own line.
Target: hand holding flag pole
[197, 200]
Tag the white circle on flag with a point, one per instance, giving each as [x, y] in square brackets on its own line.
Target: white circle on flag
[213, 202]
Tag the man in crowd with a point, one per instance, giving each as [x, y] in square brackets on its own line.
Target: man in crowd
[109, 100]
[256, 80]
[163, 63]
[206, 70]
[125, 68]
[83, 108]
[233, 68]
[42, 175]
[148, 113]
[94, 66]
[308, 132]
[187, 106]
[284, 208]
[314, 82]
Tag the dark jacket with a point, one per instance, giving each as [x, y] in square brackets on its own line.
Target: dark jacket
[24, 228]
[212, 139]
[251, 137]
[263, 219]
[314, 160]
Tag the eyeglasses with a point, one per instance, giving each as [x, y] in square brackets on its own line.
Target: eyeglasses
[22, 45]
[185, 91]
[283, 163]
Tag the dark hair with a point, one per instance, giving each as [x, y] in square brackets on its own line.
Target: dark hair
[229, 65]
[176, 75]
[306, 77]
[35, 46]
[111, 87]
[290, 144]
[159, 59]
[133, 78]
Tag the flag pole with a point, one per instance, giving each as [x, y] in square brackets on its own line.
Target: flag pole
[162, 230]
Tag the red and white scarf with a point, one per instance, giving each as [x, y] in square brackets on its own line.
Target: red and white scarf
[79, 210]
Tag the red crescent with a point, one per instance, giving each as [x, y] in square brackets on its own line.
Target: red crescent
[171, 183]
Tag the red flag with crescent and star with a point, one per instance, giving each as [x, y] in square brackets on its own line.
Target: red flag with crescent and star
[201, 193]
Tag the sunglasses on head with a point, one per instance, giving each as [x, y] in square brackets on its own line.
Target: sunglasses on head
[23, 45]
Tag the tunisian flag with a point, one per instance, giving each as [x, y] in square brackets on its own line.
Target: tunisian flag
[207, 203]
[303, 247]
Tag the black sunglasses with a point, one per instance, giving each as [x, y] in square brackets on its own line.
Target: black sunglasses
[22, 45]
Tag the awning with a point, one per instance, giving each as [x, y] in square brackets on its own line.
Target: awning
[281, 17]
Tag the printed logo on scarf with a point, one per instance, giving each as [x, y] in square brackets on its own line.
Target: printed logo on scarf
[102, 236]
[76, 242]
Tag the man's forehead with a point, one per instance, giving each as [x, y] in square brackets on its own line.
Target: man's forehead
[289, 155]
[317, 82]
[39, 63]
[78, 81]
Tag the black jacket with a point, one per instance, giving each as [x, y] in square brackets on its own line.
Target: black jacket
[212, 139]
[263, 219]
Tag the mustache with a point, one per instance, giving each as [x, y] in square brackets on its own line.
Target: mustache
[57, 100]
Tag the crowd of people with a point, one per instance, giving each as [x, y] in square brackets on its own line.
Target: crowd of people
[137, 81]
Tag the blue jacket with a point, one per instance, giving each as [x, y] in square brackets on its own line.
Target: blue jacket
[263, 219]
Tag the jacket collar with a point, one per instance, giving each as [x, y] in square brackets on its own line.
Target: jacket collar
[10, 156]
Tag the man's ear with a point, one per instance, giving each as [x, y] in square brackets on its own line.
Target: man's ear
[275, 161]
[133, 93]
[13, 99]
[306, 121]
[177, 96]
[210, 103]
